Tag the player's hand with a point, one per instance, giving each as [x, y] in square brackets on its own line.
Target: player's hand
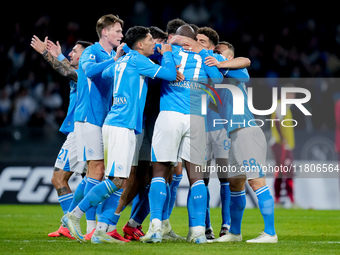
[165, 47]
[211, 61]
[38, 45]
[180, 76]
[54, 49]
[119, 51]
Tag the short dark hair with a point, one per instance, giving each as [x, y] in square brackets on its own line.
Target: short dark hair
[230, 46]
[194, 27]
[106, 21]
[210, 33]
[135, 34]
[84, 44]
[158, 33]
[172, 25]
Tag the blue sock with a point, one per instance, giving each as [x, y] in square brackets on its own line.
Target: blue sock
[65, 201]
[78, 194]
[190, 207]
[225, 200]
[135, 204]
[109, 207]
[97, 194]
[237, 205]
[91, 212]
[199, 200]
[176, 179]
[165, 215]
[266, 204]
[157, 196]
[143, 208]
[207, 215]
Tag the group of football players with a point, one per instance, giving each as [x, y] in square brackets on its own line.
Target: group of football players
[134, 136]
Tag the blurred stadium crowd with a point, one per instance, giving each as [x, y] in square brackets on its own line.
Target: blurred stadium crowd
[282, 39]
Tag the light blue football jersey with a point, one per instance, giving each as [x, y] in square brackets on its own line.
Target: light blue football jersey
[185, 96]
[94, 92]
[68, 123]
[226, 109]
[131, 73]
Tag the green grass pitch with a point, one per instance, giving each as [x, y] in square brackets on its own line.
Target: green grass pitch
[24, 229]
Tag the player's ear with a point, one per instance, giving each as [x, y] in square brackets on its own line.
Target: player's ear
[104, 32]
[139, 45]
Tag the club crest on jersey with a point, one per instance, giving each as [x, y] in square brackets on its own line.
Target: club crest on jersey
[92, 57]
[119, 168]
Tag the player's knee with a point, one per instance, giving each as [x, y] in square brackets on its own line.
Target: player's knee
[56, 178]
[237, 184]
[96, 169]
[257, 183]
[160, 169]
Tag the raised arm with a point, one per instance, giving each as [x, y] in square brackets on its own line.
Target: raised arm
[168, 69]
[62, 67]
[215, 75]
[90, 66]
[235, 63]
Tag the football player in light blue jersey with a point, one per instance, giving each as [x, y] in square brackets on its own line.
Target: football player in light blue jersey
[66, 162]
[178, 132]
[130, 74]
[247, 154]
[208, 38]
[218, 143]
[94, 100]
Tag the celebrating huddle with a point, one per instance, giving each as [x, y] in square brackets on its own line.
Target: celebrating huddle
[114, 132]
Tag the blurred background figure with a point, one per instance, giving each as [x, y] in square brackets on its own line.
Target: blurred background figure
[283, 143]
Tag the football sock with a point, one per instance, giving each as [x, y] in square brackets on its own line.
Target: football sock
[109, 207]
[173, 191]
[143, 208]
[157, 197]
[207, 215]
[277, 188]
[90, 225]
[266, 205]
[165, 215]
[78, 194]
[65, 201]
[97, 194]
[111, 227]
[190, 207]
[290, 188]
[133, 223]
[91, 212]
[101, 226]
[135, 204]
[237, 206]
[225, 200]
[199, 201]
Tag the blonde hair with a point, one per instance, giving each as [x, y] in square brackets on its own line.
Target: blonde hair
[107, 21]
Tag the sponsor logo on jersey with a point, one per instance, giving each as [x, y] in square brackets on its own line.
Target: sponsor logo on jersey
[119, 100]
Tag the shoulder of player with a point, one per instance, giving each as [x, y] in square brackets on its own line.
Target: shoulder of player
[141, 59]
[89, 53]
[219, 57]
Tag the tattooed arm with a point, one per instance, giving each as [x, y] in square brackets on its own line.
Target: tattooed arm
[62, 67]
